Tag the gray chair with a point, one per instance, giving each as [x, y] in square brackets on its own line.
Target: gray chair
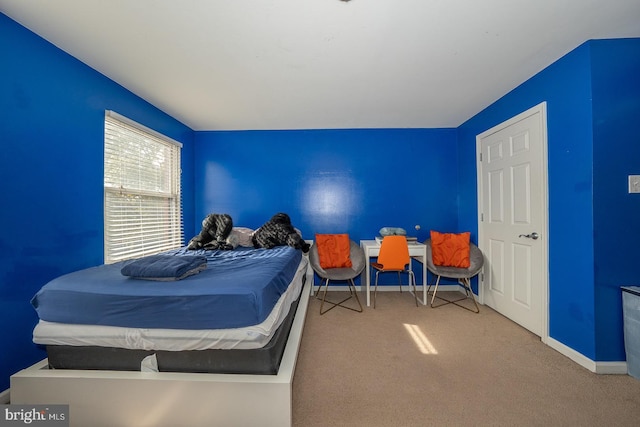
[463, 275]
[356, 253]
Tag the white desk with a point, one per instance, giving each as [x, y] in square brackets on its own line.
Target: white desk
[417, 251]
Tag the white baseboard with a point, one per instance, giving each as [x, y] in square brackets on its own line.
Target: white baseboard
[617, 368]
[385, 288]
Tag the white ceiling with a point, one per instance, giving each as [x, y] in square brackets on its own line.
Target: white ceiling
[316, 64]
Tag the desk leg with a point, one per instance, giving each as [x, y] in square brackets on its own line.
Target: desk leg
[424, 282]
[368, 278]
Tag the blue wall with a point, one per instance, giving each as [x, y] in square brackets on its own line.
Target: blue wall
[592, 100]
[329, 181]
[616, 113]
[352, 181]
[51, 163]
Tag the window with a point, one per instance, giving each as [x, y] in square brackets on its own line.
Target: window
[142, 205]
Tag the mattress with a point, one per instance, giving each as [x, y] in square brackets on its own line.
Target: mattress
[249, 337]
[239, 288]
[260, 361]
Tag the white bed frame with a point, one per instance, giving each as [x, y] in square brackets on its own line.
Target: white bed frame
[120, 398]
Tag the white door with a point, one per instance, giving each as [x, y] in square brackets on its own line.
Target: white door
[512, 228]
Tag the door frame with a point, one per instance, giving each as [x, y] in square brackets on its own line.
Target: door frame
[544, 231]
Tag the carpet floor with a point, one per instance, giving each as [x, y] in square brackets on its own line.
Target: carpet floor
[402, 365]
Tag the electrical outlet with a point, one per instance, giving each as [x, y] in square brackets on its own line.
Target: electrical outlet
[634, 183]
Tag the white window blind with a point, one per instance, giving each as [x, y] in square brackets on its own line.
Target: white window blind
[141, 190]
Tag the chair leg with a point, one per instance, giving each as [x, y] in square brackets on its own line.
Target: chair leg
[319, 291]
[466, 284]
[411, 278]
[324, 297]
[433, 297]
[352, 293]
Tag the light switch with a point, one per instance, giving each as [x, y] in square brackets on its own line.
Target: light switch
[634, 183]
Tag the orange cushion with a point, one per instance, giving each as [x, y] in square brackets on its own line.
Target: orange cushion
[450, 249]
[334, 250]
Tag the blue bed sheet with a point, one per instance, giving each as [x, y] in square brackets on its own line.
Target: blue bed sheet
[237, 289]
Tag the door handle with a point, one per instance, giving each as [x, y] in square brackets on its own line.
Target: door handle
[533, 236]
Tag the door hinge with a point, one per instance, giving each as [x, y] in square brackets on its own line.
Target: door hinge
[481, 217]
[481, 156]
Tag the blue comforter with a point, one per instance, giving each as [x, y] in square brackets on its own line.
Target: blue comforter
[238, 288]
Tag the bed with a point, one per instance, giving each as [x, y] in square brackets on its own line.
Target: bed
[237, 342]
